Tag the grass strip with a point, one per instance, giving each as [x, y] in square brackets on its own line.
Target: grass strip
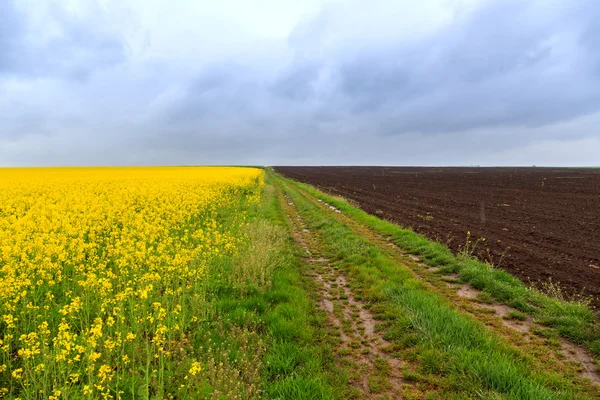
[263, 337]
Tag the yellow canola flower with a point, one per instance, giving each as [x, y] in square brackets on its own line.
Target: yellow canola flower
[90, 255]
[17, 373]
[195, 369]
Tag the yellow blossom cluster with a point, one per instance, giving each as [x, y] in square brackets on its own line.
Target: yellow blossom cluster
[101, 272]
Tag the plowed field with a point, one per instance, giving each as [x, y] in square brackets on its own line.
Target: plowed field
[538, 223]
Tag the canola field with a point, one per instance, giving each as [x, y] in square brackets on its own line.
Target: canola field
[235, 283]
[101, 273]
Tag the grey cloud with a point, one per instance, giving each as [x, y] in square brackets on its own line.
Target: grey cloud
[219, 94]
[509, 78]
[590, 37]
[298, 82]
[499, 67]
[11, 32]
[509, 63]
[81, 49]
[499, 39]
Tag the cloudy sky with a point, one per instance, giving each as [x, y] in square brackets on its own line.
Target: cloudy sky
[290, 82]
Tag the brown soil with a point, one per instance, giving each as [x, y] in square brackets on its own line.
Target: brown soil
[538, 223]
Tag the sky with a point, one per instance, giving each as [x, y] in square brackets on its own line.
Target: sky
[310, 82]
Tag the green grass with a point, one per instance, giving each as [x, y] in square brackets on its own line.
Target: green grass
[513, 314]
[263, 337]
[449, 353]
[574, 319]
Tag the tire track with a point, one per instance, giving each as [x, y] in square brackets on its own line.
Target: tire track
[376, 374]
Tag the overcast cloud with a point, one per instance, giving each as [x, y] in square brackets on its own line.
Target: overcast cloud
[395, 82]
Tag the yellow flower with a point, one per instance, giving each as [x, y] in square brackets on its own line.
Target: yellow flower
[9, 320]
[43, 328]
[17, 373]
[104, 373]
[195, 369]
[112, 251]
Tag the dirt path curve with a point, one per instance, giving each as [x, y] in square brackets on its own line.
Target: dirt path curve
[376, 374]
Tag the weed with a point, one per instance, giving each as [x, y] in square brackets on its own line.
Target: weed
[556, 291]
[485, 297]
[513, 314]
[253, 267]
[468, 250]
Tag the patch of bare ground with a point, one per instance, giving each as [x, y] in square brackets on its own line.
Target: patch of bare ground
[524, 324]
[375, 373]
[522, 329]
[578, 355]
[473, 301]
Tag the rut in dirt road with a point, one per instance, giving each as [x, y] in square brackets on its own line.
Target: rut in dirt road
[376, 373]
